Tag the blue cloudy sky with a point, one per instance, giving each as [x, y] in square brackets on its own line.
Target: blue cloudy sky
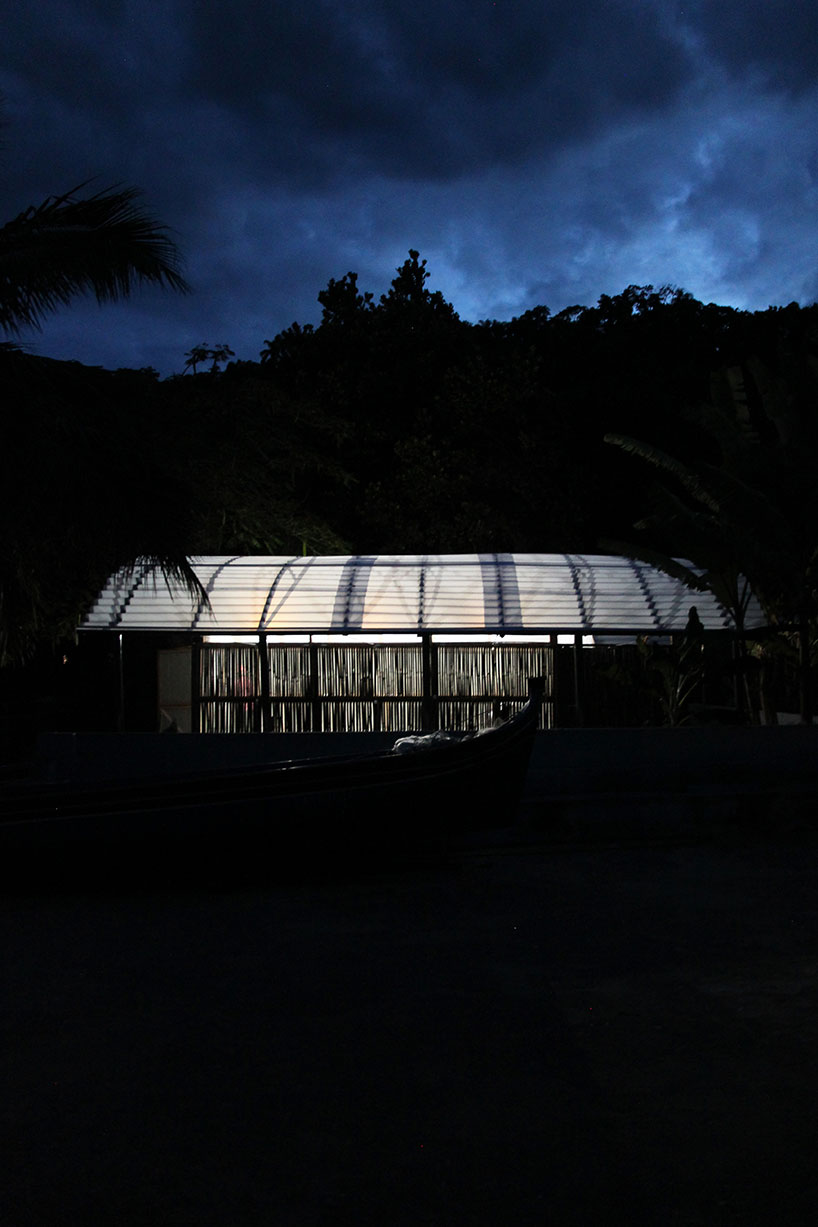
[535, 152]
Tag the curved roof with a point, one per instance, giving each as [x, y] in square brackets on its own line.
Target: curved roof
[454, 593]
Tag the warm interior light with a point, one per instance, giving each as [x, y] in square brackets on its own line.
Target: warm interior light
[364, 638]
[230, 639]
[449, 638]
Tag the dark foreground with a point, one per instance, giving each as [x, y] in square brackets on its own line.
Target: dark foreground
[592, 1035]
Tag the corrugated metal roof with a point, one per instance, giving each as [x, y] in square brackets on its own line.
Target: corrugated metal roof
[468, 593]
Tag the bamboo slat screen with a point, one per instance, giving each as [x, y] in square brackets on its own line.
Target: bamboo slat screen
[465, 714]
[289, 668]
[369, 671]
[389, 716]
[229, 672]
[497, 671]
[290, 717]
[226, 716]
[364, 687]
[229, 684]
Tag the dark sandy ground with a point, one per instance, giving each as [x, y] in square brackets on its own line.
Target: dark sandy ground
[586, 1035]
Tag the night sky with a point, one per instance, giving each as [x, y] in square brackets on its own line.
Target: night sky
[535, 152]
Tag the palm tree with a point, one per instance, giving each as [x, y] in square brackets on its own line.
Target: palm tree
[749, 522]
[733, 534]
[71, 245]
[215, 355]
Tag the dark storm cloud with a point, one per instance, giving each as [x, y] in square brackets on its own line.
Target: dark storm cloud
[535, 151]
[431, 90]
[777, 40]
[310, 93]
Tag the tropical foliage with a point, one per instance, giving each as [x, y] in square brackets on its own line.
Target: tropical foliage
[749, 522]
[105, 244]
[216, 355]
[392, 425]
[65, 477]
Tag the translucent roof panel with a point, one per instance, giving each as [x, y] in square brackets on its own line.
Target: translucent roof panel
[467, 593]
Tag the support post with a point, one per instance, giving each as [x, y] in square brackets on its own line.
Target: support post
[120, 664]
[578, 716]
[429, 706]
[263, 713]
[195, 687]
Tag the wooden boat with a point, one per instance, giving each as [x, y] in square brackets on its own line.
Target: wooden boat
[388, 802]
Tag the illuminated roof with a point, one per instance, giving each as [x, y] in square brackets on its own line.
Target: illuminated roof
[454, 593]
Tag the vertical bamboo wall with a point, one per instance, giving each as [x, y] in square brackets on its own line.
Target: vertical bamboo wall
[366, 687]
[229, 689]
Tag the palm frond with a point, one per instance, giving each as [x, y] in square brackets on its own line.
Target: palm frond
[103, 244]
[175, 570]
[676, 521]
[655, 456]
[677, 568]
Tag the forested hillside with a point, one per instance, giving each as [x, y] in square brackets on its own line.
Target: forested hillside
[392, 426]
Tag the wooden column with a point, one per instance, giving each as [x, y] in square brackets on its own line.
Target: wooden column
[578, 715]
[195, 692]
[429, 707]
[263, 708]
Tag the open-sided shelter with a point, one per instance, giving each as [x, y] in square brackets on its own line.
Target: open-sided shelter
[379, 643]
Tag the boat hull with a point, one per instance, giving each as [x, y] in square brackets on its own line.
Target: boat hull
[265, 816]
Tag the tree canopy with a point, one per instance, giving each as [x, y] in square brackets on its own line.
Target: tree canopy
[392, 425]
[70, 498]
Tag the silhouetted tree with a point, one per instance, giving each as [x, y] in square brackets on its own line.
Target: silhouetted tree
[88, 484]
[749, 521]
[196, 356]
[216, 355]
[262, 464]
[54, 457]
